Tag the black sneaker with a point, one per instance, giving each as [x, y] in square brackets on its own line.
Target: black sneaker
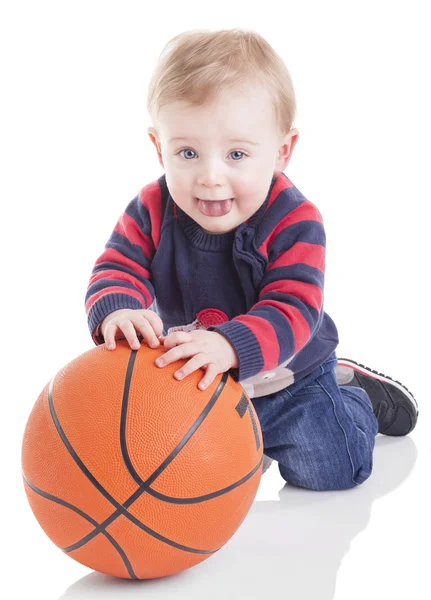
[394, 406]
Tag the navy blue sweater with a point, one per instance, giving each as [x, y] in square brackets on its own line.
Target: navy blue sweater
[260, 285]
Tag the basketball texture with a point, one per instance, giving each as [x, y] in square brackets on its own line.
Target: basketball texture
[134, 473]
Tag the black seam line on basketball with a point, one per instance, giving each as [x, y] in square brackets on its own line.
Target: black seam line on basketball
[255, 430]
[210, 496]
[121, 509]
[134, 474]
[123, 422]
[242, 407]
[145, 485]
[75, 456]
[84, 515]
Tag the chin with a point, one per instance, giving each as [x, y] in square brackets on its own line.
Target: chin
[219, 228]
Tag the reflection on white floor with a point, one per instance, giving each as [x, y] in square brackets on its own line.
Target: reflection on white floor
[300, 544]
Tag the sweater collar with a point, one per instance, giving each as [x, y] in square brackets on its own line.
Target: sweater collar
[217, 241]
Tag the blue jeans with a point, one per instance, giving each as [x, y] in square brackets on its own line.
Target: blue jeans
[321, 434]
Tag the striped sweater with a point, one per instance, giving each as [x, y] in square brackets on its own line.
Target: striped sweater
[260, 285]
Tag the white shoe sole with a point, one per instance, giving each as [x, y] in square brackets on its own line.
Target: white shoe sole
[345, 362]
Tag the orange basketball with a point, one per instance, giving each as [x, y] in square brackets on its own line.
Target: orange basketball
[134, 473]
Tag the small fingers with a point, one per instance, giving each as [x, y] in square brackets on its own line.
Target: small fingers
[155, 321]
[126, 327]
[129, 331]
[176, 352]
[109, 335]
[196, 362]
[145, 328]
[177, 338]
[208, 378]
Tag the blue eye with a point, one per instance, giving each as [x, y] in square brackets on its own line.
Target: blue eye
[186, 150]
[238, 152]
[190, 150]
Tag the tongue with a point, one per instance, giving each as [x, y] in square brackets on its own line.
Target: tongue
[215, 208]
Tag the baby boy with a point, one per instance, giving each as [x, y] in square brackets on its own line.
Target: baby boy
[222, 260]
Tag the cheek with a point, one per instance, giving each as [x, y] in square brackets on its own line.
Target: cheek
[248, 187]
[178, 184]
[249, 199]
[182, 181]
[249, 204]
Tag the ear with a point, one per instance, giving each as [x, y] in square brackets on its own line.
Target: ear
[155, 139]
[288, 143]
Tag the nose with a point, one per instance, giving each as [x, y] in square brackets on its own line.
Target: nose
[211, 174]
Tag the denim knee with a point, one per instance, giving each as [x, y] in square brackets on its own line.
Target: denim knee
[323, 479]
[322, 435]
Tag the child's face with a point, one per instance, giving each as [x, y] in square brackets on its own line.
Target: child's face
[208, 166]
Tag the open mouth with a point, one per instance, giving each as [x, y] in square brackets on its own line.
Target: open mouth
[215, 208]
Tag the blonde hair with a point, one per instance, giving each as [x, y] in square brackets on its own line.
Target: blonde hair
[198, 65]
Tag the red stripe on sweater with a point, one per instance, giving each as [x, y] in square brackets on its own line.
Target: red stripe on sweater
[298, 323]
[304, 212]
[151, 198]
[113, 255]
[128, 228]
[309, 293]
[281, 183]
[114, 274]
[266, 338]
[301, 252]
[111, 290]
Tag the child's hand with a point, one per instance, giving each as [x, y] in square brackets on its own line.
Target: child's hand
[208, 349]
[126, 320]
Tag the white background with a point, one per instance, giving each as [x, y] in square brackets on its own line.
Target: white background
[74, 152]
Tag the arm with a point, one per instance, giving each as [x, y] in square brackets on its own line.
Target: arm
[290, 301]
[121, 276]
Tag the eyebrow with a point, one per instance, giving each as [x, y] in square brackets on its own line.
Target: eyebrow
[229, 140]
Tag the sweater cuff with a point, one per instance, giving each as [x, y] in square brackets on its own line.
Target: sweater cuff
[105, 306]
[246, 346]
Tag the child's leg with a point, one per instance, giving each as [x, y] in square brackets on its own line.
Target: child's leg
[321, 434]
